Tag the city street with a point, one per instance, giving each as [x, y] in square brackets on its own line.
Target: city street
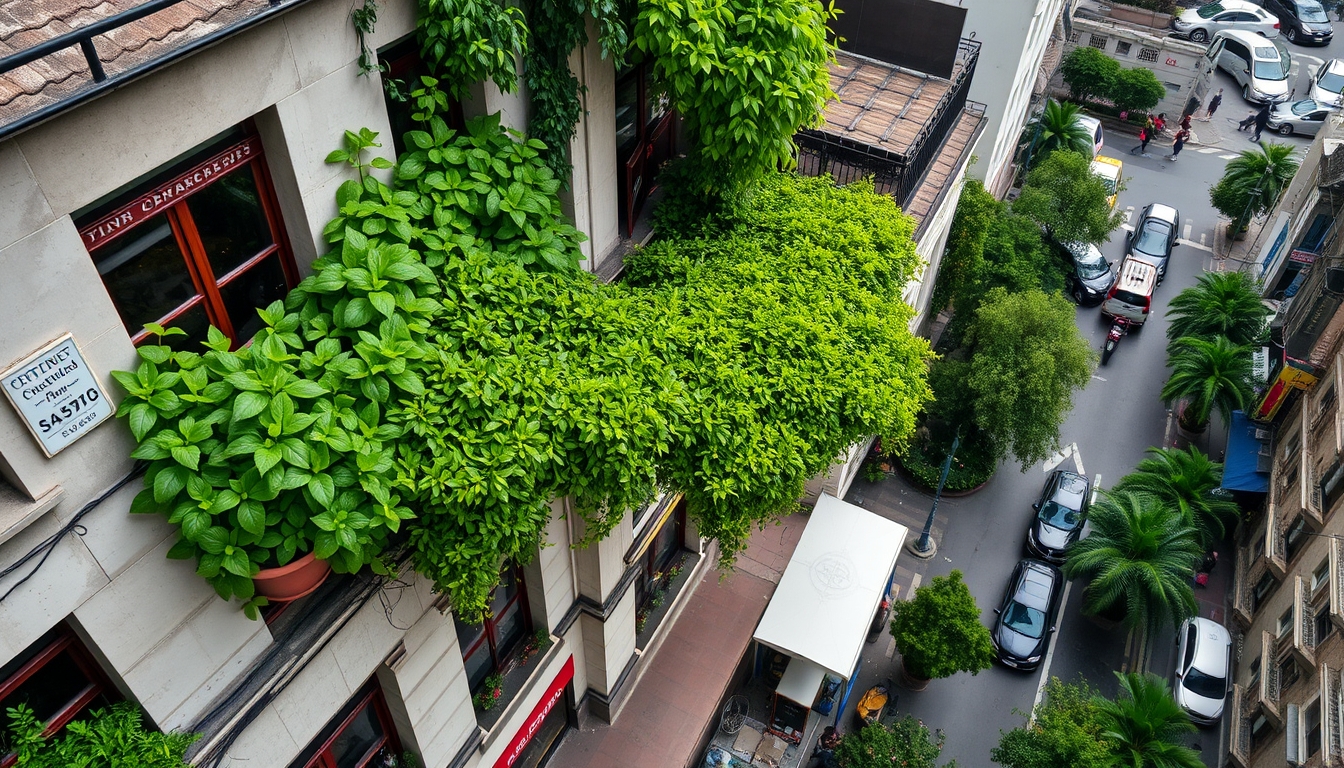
[1113, 421]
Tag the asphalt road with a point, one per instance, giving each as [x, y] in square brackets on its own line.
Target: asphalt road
[1114, 419]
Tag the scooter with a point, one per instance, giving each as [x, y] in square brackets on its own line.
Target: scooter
[1119, 327]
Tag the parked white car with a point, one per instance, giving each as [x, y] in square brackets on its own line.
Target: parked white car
[1093, 127]
[1327, 87]
[1202, 23]
[1203, 662]
[1258, 65]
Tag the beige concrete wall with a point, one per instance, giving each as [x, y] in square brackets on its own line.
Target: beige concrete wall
[1177, 65]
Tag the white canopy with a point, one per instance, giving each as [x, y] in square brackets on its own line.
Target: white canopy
[832, 586]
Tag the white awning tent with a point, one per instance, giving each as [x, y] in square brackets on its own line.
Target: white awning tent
[831, 589]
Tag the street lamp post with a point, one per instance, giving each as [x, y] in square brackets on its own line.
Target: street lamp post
[924, 548]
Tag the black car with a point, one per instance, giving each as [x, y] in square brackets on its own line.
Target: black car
[1303, 21]
[1026, 620]
[1090, 275]
[1059, 515]
[1154, 236]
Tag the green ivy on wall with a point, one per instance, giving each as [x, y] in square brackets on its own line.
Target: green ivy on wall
[467, 41]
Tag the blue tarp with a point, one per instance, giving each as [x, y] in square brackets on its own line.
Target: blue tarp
[1240, 465]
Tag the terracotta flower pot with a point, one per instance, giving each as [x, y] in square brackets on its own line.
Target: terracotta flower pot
[912, 681]
[291, 582]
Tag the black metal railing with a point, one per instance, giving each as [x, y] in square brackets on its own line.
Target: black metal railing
[894, 173]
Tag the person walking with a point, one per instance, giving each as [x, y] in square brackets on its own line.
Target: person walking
[1145, 136]
[1185, 122]
[1178, 143]
[1261, 120]
[1160, 123]
[1214, 103]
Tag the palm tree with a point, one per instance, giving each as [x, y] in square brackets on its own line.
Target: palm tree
[1143, 724]
[1140, 556]
[1253, 182]
[1221, 304]
[1183, 479]
[1208, 375]
[1058, 128]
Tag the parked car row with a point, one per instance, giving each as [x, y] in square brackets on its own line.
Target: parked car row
[1300, 21]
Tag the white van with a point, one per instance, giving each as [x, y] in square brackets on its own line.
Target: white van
[1131, 297]
[1258, 65]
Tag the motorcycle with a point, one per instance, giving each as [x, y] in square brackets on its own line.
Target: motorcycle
[1119, 327]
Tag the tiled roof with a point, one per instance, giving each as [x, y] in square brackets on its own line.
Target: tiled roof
[61, 75]
[938, 179]
[880, 104]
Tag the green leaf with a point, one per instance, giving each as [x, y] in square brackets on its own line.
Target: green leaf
[237, 563]
[168, 483]
[358, 312]
[213, 540]
[304, 388]
[182, 549]
[188, 456]
[323, 489]
[383, 302]
[249, 404]
[142, 418]
[265, 458]
[252, 517]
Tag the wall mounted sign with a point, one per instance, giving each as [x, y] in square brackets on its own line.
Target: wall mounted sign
[56, 395]
[554, 695]
[1302, 257]
[1171, 62]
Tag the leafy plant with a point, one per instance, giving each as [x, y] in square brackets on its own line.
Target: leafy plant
[1069, 203]
[364, 18]
[1139, 558]
[111, 736]
[939, 632]
[1136, 89]
[491, 692]
[1253, 182]
[1219, 304]
[1207, 376]
[1057, 127]
[905, 742]
[1144, 724]
[963, 258]
[467, 41]
[1064, 731]
[745, 76]
[1088, 72]
[1184, 479]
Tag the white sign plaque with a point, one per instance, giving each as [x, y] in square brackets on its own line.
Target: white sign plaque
[56, 394]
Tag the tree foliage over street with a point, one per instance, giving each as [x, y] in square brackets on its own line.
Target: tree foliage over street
[1066, 731]
[905, 742]
[1067, 200]
[1253, 182]
[939, 632]
[1219, 304]
[1208, 376]
[1143, 725]
[1184, 479]
[1057, 127]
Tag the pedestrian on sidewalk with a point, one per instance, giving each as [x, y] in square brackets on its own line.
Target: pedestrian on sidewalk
[1145, 135]
[1185, 122]
[826, 746]
[1261, 120]
[1214, 103]
[1160, 122]
[1178, 143]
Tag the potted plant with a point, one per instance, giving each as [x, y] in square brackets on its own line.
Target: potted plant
[490, 693]
[1252, 184]
[1207, 375]
[939, 632]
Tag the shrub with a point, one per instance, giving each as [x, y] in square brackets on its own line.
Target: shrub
[1136, 89]
[114, 736]
[939, 632]
[906, 742]
[1088, 72]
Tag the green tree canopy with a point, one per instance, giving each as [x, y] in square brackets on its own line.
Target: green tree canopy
[1069, 202]
[1065, 732]
[1026, 359]
[1088, 72]
[1136, 89]
[976, 212]
[939, 632]
[1253, 182]
[745, 76]
[1143, 725]
[1219, 304]
[906, 743]
[1140, 558]
[1207, 376]
[1057, 127]
[1184, 479]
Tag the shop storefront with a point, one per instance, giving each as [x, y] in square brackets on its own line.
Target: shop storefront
[542, 731]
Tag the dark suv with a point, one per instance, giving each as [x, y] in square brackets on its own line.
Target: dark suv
[1059, 515]
[1026, 619]
[1303, 21]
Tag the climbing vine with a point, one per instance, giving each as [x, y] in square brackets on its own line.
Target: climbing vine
[467, 41]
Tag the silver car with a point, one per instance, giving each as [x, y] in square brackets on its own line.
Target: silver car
[1203, 662]
[1200, 24]
[1303, 117]
[1327, 87]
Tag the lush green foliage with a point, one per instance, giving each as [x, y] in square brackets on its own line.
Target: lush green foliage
[114, 736]
[906, 742]
[1220, 304]
[1057, 127]
[1140, 558]
[1067, 200]
[1136, 89]
[963, 256]
[1144, 724]
[467, 41]
[1253, 182]
[1207, 376]
[1026, 358]
[1065, 732]
[745, 76]
[1184, 479]
[975, 460]
[1088, 72]
[939, 632]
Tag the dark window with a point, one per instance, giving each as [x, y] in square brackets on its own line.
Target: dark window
[1323, 624]
[1262, 589]
[1311, 721]
[488, 647]
[401, 68]
[362, 736]
[1255, 671]
[644, 139]
[1332, 486]
[659, 556]
[195, 244]
[1288, 673]
[56, 678]
[1260, 730]
[1296, 537]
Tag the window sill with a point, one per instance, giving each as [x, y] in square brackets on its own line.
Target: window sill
[518, 682]
[17, 511]
[670, 598]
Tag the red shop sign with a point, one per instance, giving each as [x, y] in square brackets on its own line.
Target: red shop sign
[170, 192]
[1302, 257]
[549, 700]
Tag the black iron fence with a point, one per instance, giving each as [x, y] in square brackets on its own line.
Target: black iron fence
[893, 173]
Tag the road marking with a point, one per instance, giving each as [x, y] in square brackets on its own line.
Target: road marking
[1203, 236]
[1096, 486]
[1078, 459]
[1193, 244]
[1208, 150]
[1228, 157]
[1127, 227]
[1307, 57]
[1188, 227]
[1049, 657]
[891, 647]
[1058, 457]
[1098, 378]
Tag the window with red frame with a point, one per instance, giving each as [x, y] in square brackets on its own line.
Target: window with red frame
[401, 68]
[199, 243]
[362, 735]
[58, 679]
[488, 647]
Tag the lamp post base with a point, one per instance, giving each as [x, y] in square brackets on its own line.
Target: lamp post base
[912, 546]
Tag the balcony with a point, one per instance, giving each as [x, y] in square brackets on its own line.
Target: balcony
[908, 130]
[1276, 546]
[1336, 587]
[1304, 624]
[1240, 716]
[1330, 715]
[1268, 693]
[1243, 587]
